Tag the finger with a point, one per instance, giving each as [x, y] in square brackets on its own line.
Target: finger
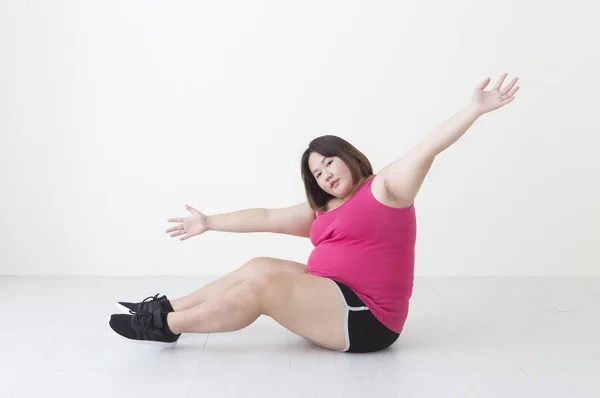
[511, 93]
[483, 84]
[500, 81]
[510, 85]
[177, 234]
[175, 228]
[178, 219]
[506, 101]
[184, 238]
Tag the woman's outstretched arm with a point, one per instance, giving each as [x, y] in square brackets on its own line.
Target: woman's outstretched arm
[404, 177]
[483, 102]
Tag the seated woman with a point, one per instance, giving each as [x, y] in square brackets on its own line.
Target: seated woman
[353, 293]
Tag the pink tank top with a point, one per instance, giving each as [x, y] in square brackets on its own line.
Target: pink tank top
[369, 247]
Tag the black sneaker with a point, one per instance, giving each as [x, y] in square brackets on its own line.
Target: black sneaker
[152, 305]
[145, 327]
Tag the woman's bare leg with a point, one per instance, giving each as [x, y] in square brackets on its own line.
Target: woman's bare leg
[254, 269]
[307, 305]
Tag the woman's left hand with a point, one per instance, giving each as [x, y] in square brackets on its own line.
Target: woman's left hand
[487, 101]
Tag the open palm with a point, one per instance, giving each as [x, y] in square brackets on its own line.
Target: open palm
[196, 224]
[497, 97]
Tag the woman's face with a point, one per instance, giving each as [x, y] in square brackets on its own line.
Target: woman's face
[331, 169]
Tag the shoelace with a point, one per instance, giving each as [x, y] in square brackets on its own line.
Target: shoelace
[143, 320]
[140, 306]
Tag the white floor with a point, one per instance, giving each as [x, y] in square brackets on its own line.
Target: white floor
[465, 337]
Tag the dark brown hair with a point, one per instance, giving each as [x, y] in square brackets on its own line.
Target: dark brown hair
[331, 145]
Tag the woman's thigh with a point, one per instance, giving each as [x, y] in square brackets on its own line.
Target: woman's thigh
[307, 305]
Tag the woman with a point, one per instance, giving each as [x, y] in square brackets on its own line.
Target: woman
[353, 293]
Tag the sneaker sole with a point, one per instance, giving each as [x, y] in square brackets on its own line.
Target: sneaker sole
[123, 309]
[145, 342]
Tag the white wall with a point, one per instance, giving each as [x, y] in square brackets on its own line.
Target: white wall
[113, 115]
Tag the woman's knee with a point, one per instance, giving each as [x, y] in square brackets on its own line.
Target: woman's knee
[274, 287]
[267, 286]
[260, 268]
[255, 269]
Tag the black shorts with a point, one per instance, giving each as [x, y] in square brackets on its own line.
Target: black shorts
[364, 332]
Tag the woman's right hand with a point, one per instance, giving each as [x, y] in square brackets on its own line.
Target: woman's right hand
[193, 225]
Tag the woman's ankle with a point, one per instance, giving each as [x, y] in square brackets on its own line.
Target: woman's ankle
[177, 305]
[181, 304]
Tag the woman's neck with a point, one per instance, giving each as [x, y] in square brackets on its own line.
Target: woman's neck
[358, 185]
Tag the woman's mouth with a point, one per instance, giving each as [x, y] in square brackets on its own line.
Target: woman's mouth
[335, 184]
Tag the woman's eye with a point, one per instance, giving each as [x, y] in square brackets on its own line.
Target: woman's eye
[331, 161]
